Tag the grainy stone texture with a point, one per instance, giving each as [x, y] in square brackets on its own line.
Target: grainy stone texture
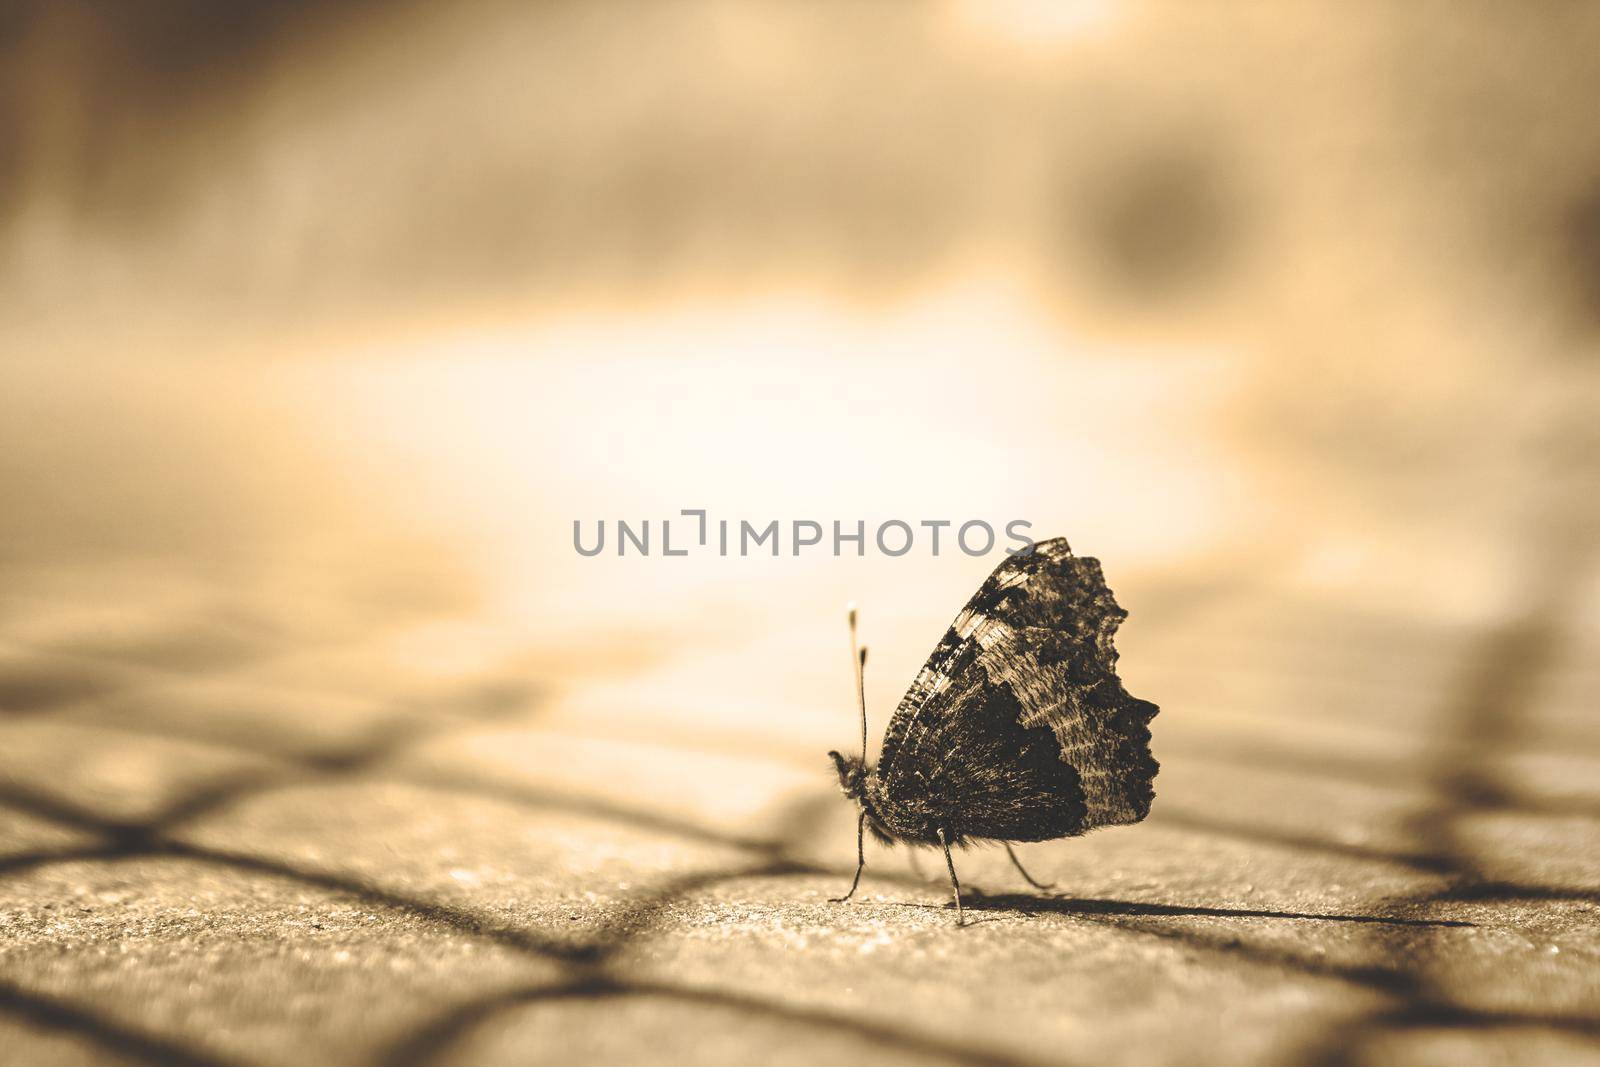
[225, 842]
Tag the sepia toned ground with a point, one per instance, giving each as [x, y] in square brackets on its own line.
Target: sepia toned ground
[329, 831]
[322, 323]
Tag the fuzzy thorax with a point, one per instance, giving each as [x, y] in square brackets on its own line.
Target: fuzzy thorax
[852, 776]
[857, 782]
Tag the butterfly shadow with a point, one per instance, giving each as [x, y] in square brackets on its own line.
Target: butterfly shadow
[1057, 904]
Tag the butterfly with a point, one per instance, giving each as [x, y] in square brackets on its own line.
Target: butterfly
[1016, 729]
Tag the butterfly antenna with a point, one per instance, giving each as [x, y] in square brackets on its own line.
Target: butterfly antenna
[859, 655]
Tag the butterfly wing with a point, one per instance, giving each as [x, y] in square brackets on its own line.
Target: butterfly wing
[1017, 727]
[971, 766]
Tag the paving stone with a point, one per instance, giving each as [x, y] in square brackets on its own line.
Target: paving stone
[111, 775]
[721, 793]
[240, 964]
[242, 713]
[682, 1027]
[563, 878]
[32, 682]
[396, 848]
[1037, 985]
[1427, 1047]
[22, 834]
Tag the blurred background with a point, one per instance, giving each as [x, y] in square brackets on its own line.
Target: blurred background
[320, 324]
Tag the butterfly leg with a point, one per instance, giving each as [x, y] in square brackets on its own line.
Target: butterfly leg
[1024, 871]
[861, 857]
[955, 883]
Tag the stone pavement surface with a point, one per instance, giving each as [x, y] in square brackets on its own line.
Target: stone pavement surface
[245, 833]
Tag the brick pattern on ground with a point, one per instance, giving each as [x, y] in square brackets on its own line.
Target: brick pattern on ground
[1376, 841]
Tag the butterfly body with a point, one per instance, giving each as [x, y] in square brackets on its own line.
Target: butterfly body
[1017, 728]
